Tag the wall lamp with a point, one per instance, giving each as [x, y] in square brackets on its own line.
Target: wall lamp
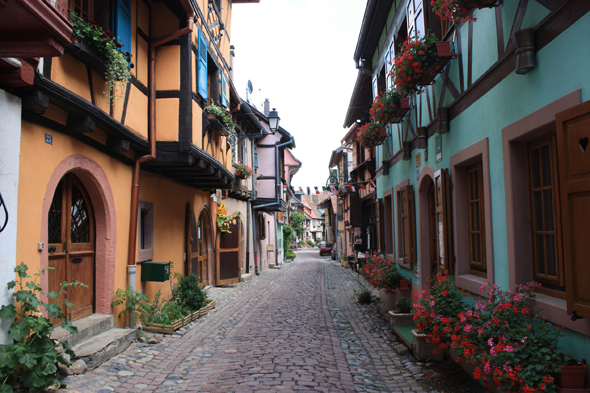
[525, 51]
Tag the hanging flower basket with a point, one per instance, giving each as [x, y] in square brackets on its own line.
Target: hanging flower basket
[389, 107]
[371, 134]
[420, 60]
[460, 10]
[242, 170]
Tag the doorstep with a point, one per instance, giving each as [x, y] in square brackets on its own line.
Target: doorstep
[246, 277]
[404, 333]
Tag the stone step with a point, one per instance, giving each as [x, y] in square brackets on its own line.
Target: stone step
[100, 348]
[87, 327]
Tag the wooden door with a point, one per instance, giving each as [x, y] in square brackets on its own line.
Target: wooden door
[228, 253]
[443, 220]
[192, 243]
[432, 232]
[71, 245]
[204, 246]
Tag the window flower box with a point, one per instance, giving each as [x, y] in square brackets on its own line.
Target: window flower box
[389, 107]
[460, 10]
[371, 134]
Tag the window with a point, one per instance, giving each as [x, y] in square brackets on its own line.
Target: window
[475, 220]
[145, 231]
[547, 263]
[101, 11]
[406, 238]
[473, 247]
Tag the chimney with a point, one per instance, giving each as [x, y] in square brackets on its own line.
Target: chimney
[266, 107]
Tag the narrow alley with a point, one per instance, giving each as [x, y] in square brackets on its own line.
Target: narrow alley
[298, 328]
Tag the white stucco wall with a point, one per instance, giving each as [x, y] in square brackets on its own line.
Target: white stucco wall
[10, 128]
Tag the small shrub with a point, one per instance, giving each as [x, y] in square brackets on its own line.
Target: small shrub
[189, 294]
[290, 255]
[382, 273]
[310, 243]
[403, 305]
[363, 294]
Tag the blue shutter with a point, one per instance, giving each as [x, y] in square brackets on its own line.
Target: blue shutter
[223, 90]
[123, 23]
[202, 88]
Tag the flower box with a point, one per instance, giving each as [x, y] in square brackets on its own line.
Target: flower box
[240, 174]
[444, 55]
[571, 377]
[424, 350]
[174, 326]
[216, 124]
[78, 50]
[401, 319]
[400, 113]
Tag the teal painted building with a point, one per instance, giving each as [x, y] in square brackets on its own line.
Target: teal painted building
[488, 175]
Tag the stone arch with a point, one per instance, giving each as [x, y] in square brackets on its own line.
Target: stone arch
[424, 182]
[99, 190]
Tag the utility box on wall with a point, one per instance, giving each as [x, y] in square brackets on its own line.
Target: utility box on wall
[155, 271]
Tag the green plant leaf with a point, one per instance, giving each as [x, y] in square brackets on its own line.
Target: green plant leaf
[7, 312]
[52, 295]
[49, 368]
[53, 309]
[27, 359]
[68, 303]
[6, 389]
[23, 296]
[67, 325]
[19, 331]
[8, 358]
[11, 285]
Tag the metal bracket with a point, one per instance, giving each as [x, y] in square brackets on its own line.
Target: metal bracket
[3, 205]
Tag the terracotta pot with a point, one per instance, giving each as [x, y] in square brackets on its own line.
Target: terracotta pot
[424, 350]
[443, 49]
[571, 377]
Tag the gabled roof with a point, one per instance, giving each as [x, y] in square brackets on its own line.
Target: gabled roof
[308, 202]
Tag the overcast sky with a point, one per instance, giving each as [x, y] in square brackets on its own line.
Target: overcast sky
[299, 55]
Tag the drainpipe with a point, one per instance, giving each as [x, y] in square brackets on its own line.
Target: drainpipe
[131, 261]
[278, 194]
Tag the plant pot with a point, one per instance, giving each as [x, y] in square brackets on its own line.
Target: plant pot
[444, 55]
[388, 299]
[400, 113]
[571, 377]
[240, 174]
[404, 284]
[424, 350]
[401, 319]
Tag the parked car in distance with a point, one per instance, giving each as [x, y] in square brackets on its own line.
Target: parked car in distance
[326, 249]
[322, 243]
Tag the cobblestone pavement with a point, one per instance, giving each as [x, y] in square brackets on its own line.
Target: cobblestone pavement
[294, 329]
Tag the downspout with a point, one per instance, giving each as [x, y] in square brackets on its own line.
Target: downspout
[271, 204]
[131, 257]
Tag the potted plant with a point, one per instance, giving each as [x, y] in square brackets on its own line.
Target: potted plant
[88, 35]
[384, 275]
[435, 311]
[418, 63]
[389, 107]
[572, 375]
[460, 10]
[402, 315]
[222, 114]
[242, 170]
[511, 348]
[371, 134]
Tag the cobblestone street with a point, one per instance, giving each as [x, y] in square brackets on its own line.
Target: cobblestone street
[294, 329]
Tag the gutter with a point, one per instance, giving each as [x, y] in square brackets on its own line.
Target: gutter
[131, 256]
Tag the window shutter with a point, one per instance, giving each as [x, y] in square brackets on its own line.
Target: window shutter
[202, 87]
[375, 87]
[406, 241]
[380, 226]
[415, 18]
[573, 134]
[123, 23]
[223, 90]
[443, 220]
[262, 226]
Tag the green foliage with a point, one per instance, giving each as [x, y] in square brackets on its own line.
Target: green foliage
[189, 294]
[134, 301]
[290, 255]
[295, 220]
[30, 358]
[287, 235]
[224, 114]
[118, 62]
[311, 243]
[403, 305]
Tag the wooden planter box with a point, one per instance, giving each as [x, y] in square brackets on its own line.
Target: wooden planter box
[571, 378]
[401, 319]
[216, 124]
[83, 54]
[174, 326]
[444, 53]
[400, 113]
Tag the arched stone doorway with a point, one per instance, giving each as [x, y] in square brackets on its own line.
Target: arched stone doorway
[92, 178]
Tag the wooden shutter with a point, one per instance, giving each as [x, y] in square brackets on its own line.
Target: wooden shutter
[443, 220]
[573, 151]
[261, 226]
[406, 227]
[202, 87]
[223, 90]
[123, 23]
[380, 226]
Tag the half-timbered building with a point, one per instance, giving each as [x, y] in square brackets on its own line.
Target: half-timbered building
[486, 176]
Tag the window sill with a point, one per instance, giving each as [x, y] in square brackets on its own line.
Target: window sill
[471, 283]
[145, 255]
[555, 311]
